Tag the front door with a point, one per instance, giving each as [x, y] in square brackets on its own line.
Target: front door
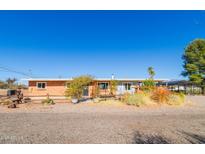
[86, 91]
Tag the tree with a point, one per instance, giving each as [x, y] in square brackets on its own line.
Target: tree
[75, 89]
[194, 62]
[3, 85]
[113, 86]
[10, 82]
[151, 72]
[149, 84]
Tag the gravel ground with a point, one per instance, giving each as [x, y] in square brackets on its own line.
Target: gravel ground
[88, 123]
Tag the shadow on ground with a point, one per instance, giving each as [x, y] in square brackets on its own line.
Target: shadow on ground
[149, 139]
[191, 138]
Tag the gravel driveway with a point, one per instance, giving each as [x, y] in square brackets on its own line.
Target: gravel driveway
[84, 123]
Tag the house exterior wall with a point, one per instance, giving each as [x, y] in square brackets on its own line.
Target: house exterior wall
[58, 88]
[53, 88]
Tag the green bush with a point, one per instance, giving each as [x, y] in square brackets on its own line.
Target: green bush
[148, 85]
[48, 101]
[136, 99]
[75, 89]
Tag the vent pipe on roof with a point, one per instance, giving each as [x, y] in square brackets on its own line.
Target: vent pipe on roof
[113, 76]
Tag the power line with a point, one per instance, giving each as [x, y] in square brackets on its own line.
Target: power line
[14, 71]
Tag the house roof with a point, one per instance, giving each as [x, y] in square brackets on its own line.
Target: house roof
[178, 82]
[97, 79]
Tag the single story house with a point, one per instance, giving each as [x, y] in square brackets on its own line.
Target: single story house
[57, 87]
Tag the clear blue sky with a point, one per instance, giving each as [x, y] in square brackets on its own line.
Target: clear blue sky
[70, 43]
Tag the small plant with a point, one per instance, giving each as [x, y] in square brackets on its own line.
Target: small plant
[161, 95]
[48, 101]
[136, 99]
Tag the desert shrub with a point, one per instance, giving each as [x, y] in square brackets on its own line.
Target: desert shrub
[75, 89]
[161, 95]
[148, 85]
[176, 99]
[5, 101]
[48, 101]
[136, 99]
[125, 96]
[181, 95]
[113, 86]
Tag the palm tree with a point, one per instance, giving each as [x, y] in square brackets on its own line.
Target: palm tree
[151, 72]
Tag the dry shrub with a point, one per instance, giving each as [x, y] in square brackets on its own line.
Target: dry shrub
[48, 101]
[161, 95]
[5, 101]
[176, 99]
[137, 99]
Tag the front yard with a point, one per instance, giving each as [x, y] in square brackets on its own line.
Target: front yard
[104, 123]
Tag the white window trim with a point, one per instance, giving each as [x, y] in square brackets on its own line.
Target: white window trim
[41, 82]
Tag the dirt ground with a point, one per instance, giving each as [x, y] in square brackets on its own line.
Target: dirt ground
[100, 123]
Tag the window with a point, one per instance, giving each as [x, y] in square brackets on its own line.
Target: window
[41, 85]
[127, 86]
[103, 86]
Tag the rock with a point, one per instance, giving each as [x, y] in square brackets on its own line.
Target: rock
[27, 100]
[13, 105]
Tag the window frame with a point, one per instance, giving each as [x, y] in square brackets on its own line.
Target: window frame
[126, 85]
[103, 83]
[37, 83]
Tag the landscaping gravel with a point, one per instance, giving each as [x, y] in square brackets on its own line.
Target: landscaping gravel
[89, 123]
